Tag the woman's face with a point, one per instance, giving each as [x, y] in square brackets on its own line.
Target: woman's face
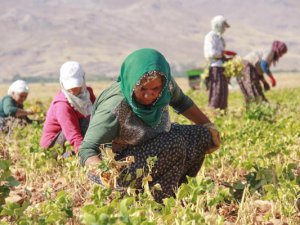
[147, 92]
[75, 91]
[281, 54]
[19, 97]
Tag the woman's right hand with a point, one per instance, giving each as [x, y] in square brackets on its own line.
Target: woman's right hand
[215, 135]
[93, 171]
[96, 175]
[30, 112]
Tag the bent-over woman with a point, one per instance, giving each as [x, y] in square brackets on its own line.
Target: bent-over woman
[256, 64]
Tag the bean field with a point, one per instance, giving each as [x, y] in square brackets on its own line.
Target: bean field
[254, 178]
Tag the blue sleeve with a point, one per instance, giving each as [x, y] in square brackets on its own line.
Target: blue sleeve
[265, 67]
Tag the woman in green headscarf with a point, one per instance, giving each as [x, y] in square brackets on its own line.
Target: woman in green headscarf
[132, 115]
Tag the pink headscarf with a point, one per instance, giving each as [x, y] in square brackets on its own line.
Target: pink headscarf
[279, 48]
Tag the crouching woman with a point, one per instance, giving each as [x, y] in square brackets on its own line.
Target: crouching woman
[132, 115]
[69, 113]
[12, 112]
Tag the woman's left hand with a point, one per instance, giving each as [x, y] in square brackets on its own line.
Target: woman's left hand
[272, 79]
[266, 86]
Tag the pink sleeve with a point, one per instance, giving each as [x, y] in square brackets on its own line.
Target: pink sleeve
[69, 123]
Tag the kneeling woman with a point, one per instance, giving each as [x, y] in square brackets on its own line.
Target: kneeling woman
[69, 113]
[132, 114]
[12, 111]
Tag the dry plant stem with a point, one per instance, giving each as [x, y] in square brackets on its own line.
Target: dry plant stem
[240, 212]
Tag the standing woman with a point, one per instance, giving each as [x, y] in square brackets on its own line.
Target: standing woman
[69, 113]
[256, 64]
[214, 51]
[12, 110]
[133, 115]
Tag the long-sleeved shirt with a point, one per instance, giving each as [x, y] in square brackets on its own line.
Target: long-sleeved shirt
[261, 60]
[106, 125]
[214, 45]
[61, 116]
[8, 106]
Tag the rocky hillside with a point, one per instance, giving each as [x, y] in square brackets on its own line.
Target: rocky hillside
[37, 36]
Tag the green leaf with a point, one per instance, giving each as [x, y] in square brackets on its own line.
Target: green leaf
[125, 203]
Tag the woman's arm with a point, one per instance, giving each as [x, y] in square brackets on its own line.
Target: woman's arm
[195, 115]
[69, 123]
[266, 69]
[184, 105]
[103, 128]
[10, 108]
[179, 101]
[23, 112]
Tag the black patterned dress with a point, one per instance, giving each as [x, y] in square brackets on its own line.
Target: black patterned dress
[180, 151]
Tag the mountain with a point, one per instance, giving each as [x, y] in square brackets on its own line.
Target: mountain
[37, 36]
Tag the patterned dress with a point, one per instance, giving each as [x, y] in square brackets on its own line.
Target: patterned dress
[8, 124]
[180, 151]
[218, 88]
[214, 45]
[250, 84]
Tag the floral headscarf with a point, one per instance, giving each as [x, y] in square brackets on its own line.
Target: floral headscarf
[279, 48]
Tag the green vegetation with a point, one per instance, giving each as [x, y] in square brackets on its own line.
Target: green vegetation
[253, 179]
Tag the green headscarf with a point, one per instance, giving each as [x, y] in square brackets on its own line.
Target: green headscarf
[135, 66]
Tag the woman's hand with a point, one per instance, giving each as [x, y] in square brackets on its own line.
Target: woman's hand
[92, 161]
[215, 135]
[23, 112]
[103, 178]
[273, 81]
[29, 112]
[266, 86]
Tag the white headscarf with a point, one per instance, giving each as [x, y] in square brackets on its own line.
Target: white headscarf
[218, 24]
[19, 86]
[72, 75]
[82, 102]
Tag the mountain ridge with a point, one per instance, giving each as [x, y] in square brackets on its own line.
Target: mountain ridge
[39, 35]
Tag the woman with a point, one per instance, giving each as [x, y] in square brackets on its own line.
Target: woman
[12, 110]
[256, 64]
[214, 52]
[132, 114]
[69, 113]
